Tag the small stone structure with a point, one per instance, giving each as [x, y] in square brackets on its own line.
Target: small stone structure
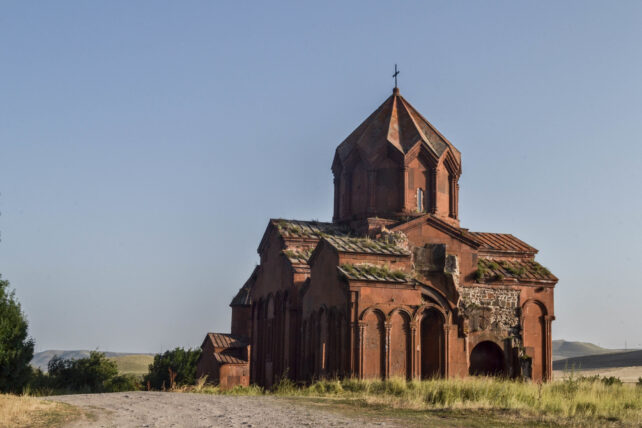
[224, 360]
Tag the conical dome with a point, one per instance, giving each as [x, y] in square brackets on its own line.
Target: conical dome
[398, 124]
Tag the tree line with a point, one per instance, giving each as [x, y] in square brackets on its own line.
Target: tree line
[95, 373]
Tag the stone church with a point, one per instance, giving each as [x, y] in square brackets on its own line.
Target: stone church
[393, 286]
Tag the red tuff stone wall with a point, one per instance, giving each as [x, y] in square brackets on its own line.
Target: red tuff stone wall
[207, 364]
[234, 374]
[242, 321]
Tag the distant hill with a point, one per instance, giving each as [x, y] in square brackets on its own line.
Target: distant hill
[127, 362]
[564, 349]
[133, 363]
[600, 361]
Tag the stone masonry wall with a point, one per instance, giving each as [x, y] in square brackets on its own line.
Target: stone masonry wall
[495, 309]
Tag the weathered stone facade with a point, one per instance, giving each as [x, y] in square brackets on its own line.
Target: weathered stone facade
[491, 308]
[394, 287]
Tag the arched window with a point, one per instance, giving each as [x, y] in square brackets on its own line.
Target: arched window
[420, 199]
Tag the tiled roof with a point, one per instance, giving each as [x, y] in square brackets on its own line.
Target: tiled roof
[307, 229]
[489, 270]
[223, 358]
[223, 340]
[297, 256]
[365, 246]
[368, 272]
[243, 297]
[395, 123]
[503, 242]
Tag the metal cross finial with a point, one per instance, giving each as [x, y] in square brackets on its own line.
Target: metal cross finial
[395, 75]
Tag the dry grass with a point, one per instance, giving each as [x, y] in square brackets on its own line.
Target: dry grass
[23, 411]
[587, 402]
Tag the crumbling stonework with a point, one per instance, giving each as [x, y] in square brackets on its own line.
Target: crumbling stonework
[495, 309]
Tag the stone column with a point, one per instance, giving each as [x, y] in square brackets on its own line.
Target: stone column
[457, 201]
[404, 188]
[413, 349]
[548, 372]
[388, 326]
[432, 208]
[354, 333]
[362, 341]
[337, 195]
[446, 353]
[451, 196]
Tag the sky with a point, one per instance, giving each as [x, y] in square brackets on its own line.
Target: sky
[144, 146]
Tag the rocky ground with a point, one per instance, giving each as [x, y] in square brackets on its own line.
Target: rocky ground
[166, 409]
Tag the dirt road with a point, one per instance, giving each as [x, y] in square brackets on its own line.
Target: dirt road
[166, 409]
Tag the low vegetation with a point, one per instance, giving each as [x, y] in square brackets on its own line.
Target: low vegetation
[584, 401]
[381, 271]
[172, 368]
[95, 373]
[23, 411]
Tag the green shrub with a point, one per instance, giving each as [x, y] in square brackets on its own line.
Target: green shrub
[639, 382]
[611, 380]
[173, 368]
[82, 375]
[122, 383]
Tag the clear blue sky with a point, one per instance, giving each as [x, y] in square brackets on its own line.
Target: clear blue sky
[144, 146]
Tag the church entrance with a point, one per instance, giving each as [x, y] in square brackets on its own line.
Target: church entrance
[432, 344]
[487, 359]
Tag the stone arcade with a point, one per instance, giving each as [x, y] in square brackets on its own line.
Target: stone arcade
[393, 287]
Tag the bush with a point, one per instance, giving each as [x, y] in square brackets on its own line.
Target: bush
[83, 375]
[611, 380]
[173, 368]
[16, 349]
[122, 383]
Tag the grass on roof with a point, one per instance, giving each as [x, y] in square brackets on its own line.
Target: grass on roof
[380, 271]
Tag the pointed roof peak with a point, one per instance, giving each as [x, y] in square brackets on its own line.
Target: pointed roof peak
[394, 123]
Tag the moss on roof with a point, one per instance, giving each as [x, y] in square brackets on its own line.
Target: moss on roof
[370, 272]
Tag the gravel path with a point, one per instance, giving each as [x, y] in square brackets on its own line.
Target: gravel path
[167, 409]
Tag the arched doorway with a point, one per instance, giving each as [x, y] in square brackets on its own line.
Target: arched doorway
[432, 344]
[487, 359]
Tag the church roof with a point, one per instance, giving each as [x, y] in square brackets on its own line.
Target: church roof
[489, 270]
[224, 358]
[348, 244]
[398, 124]
[501, 242]
[369, 272]
[243, 297]
[307, 229]
[297, 256]
[224, 340]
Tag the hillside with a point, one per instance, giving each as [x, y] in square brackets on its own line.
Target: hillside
[134, 363]
[564, 349]
[127, 362]
[613, 359]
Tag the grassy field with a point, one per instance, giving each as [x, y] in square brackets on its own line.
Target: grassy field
[22, 411]
[474, 401]
[137, 364]
[610, 360]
